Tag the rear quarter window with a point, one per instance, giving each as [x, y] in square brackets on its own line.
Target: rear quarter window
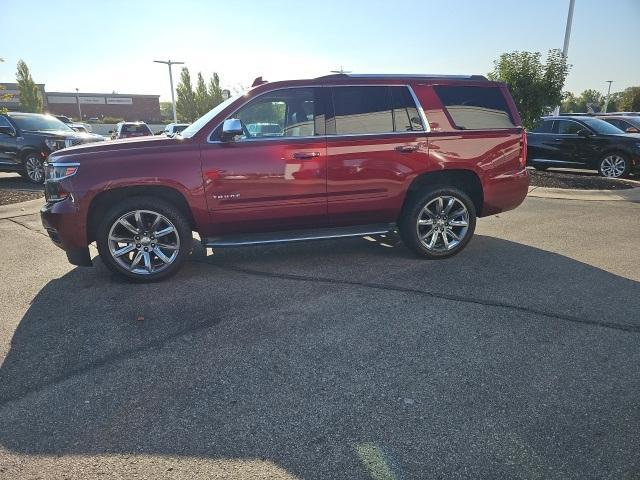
[475, 108]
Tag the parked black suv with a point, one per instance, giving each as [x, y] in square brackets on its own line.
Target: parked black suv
[27, 139]
[583, 142]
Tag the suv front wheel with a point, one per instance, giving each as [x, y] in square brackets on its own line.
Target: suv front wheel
[33, 168]
[438, 223]
[144, 239]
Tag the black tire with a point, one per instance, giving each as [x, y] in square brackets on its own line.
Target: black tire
[411, 233]
[33, 165]
[614, 158]
[149, 206]
[541, 168]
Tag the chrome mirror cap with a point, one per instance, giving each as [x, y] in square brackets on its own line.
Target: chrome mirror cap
[232, 127]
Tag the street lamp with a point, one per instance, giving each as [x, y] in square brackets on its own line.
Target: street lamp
[78, 100]
[606, 103]
[173, 98]
[567, 37]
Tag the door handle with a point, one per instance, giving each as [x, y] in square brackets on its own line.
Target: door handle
[406, 148]
[305, 155]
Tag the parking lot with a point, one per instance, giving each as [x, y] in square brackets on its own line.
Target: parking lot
[515, 359]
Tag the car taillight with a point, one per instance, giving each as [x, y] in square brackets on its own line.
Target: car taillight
[523, 149]
[54, 190]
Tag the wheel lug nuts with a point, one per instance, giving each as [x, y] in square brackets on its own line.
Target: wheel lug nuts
[153, 245]
[137, 245]
[146, 249]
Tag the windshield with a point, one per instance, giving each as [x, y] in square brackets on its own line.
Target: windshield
[195, 127]
[39, 122]
[601, 127]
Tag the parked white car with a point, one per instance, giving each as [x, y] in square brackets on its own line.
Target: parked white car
[173, 128]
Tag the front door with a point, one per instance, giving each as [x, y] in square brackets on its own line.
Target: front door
[571, 146]
[273, 177]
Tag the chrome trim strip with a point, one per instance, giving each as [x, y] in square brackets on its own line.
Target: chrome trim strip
[303, 235]
[427, 127]
[63, 164]
[545, 160]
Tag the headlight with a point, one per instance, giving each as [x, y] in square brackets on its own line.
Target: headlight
[58, 171]
[52, 144]
[54, 190]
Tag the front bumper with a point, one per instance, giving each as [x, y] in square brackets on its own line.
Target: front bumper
[65, 226]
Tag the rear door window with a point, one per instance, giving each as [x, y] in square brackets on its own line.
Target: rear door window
[475, 108]
[543, 126]
[361, 110]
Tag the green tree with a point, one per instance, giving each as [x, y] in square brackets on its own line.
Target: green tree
[569, 103]
[614, 102]
[166, 111]
[186, 103]
[536, 87]
[630, 101]
[30, 99]
[202, 97]
[215, 92]
[590, 101]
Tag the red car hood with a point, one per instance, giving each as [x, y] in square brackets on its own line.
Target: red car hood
[115, 146]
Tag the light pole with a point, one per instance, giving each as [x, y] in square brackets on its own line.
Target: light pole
[567, 37]
[173, 98]
[606, 103]
[78, 100]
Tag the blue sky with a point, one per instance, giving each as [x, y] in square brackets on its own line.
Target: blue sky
[105, 46]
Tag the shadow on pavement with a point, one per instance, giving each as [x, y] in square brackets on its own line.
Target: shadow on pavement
[505, 361]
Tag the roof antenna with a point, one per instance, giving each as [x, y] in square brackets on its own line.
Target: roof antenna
[342, 71]
[258, 81]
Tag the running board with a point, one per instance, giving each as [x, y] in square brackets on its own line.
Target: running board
[297, 235]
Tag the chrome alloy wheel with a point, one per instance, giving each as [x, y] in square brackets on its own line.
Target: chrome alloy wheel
[613, 166]
[442, 224]
[35, 169]
[143, 242]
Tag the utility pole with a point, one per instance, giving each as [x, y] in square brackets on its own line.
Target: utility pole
[606, 103]
[173, 98]
[78, 100]
[567, 37]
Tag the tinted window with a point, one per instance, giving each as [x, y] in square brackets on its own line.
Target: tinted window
[601, 127]
[133, 128]
[281, 113]
[567, 127]
[36, 122]
[543, 126]
[4, 122]
[476, 108]
[361, 110]
[405, 113]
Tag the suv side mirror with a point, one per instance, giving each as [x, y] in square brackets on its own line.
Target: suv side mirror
[632, 130]
[584, 133]
[231, 127]
[8, 131]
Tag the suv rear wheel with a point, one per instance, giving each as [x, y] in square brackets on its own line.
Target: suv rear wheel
[144, 239]
[438, 223]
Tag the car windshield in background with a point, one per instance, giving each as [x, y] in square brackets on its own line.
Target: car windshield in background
[39, 122]
[135, 129]
[601, 127]
[179, 128]
[195, 127]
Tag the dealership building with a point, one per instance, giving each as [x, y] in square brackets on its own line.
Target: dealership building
[129, 107]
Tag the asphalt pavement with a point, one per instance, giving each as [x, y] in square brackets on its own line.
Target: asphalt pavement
[349, 359]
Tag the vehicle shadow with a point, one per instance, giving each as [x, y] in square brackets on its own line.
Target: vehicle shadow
[312, 356]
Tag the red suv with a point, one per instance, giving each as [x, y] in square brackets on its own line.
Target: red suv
[345, 156]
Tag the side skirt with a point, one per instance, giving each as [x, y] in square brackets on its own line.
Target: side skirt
[298, 235]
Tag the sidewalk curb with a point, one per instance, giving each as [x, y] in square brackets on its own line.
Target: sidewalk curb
[21, 209]
[629, 195]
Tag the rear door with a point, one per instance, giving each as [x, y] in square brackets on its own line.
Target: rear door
[375, 139]
[541, 144]
[272, 180]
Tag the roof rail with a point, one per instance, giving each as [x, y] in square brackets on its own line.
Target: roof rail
[417, 76]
